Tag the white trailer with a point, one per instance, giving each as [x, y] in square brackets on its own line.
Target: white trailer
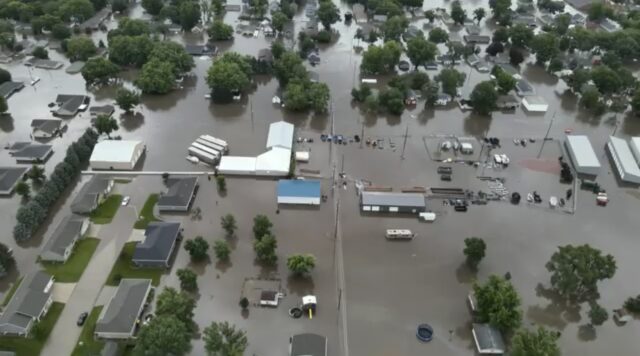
[217, 141]
[206, 149]
[202, 156]
[214, 146]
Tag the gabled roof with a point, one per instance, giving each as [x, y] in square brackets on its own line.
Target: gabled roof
[87, 198]
[26, 151]
[8, 88]
[102, 110]
[27, 303]
[159, 240]
[180, 192]
[280, 135]
[488, 339]
[393, 199]
[524, 88]
[308, 345]
[298, 188]
[67, 231]
[9, 177]
[69, 104]
[122, 312]
[114, 151]
[49, 126]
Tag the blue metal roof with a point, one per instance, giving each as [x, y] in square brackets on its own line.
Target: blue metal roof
[299, 188]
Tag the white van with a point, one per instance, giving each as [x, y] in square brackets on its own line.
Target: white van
[427, 216]
[399, 234]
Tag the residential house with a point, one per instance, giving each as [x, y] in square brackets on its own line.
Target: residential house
[10, 177]
[46, 128]
[523, 88]
[379, 18]
[94, 22]
[29, 304]
[180, 195]
[158, 245]
[120, 318]
[69, 105]
[477, 39]
[488, 339]
[96, 111]
[473, 60]
[411, 32]
[61, 243]
[359, 13]
[8, 88]
[314, 58]
[582, 5]
[443, 99]
[527, 20]
[507, 102]
[92, 194]
[578, 19]
[27, 152]
[609, 25]
[472, 29]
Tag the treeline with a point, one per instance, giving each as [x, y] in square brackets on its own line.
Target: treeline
[31, 215]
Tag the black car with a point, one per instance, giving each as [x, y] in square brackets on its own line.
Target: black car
[82, 318]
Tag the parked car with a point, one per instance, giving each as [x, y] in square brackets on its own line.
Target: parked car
[82, 318]
[125, 200]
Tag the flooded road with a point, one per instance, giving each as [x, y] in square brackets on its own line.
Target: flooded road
[390, 288]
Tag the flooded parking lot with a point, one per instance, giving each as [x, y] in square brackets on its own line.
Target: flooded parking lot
[388, 288]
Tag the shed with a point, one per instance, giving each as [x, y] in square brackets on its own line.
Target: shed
[302, 156]
[392, 202]
[488, 339]
[477, 39]
[623, 160]
[507, 102]
[237, 165]
[280, 135]
[582, 155]
[303, 192]
[96, 111]
[116, 154]
[535, 103]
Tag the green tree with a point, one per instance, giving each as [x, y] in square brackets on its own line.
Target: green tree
[288, 67]
[430, 15]
[188, 279]
[606, 80]
[220, 31]
[635, 102]
[501, 34]
[244, 303]
[578, 79]
[265, 249]
[179, 304]
[24, 190]
[80, 10]
[152, 7]
[130, 50]
[319, 95]
[225, 76]
[590, 99]
[541, 342]
[173, 53]
[521, 35]
[5, 76]
[380, 60]
[189, 12]
[259, 8]
[60, 32]
[99, 70]
[164, 335]
[597, 314]
[421, 51]
[328, 14]
[479, 14]
[301, 264]
[119, 5]
[631, 304]
[438, 35]
[261, 226]
[40, 52]
[223, 339]
[505, 81]
[484, 98]
[576, 271]
[222, 250]
[598, 11]
[278, 20]
[105, 125]
[498, 304]
[295, 96]
[197, 248]
[7, 262]
[451, 80]
[458, 14]
[430, 93]
[394, 27]
[392, 100]
[277, 49]
[4, 107]
[501, 10]
[80, 48]
[545, 46]
[127, 99]
[156, 77]
[130, 27]
[228, 223]
[474, 251]
[36, 174]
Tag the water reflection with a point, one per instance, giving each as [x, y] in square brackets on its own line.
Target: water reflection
[131, 121]
[6, 123]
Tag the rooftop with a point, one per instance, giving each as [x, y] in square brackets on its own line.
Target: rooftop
[49, 126]
[26, 151]
[583, 151]
[158, 243]
[97, 19]
[624, 159]
[64, 235]
[180, 192]
[393, 199]
[121, 314]
[299, 188]
[9, 177]
[488, 340]
[27, 303]
[87, 198]
[8, 88]
[70, 104]
[102, 110]
[115, 150]
[280, 135]
[308, 345]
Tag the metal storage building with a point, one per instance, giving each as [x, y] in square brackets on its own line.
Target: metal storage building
[237, 165]
[634, 144]
[304, 192]
[582, 155]
[392, 202]
[623, 160]
[116, 154]
[280, 135]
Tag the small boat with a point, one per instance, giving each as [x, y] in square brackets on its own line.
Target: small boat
[193, 159]
[529, 197]
[553, 202]
[276, 100]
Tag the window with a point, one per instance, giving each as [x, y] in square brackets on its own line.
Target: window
[366, 208]
[375, 208]
[393, 209]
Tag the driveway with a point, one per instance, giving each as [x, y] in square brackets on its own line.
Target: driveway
[65, 334]
[62, 292]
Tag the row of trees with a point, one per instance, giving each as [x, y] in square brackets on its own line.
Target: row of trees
[37, 177]
[31, 215]
[300, 93]
[6, 260]
[187, 13]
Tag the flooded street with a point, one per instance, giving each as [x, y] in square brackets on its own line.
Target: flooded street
[389, 288]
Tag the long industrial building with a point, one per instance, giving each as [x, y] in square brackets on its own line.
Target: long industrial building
[582, 155]
[623, 160]
[389, 202]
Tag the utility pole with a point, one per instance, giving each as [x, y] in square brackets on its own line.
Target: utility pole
[404, 144]
[544, 140]
[362, 134]
[251, 106]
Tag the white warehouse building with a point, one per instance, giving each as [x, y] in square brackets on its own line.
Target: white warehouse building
[116, 155]
[623, 160]
[582, 155]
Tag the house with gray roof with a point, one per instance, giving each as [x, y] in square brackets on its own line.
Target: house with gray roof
[92, 194]
[8, 88]
[488, 339]
[581, 5]
[523, 88]
[477, 39]
[181, 192]
[61, 243]
[119, 319]
[97, 110]
[94, 22]
[308, 344]
[27, 152]
[69, 105]
[160, 239]
[29, 304]
[46, 128]
[10, 177]
[391, 202]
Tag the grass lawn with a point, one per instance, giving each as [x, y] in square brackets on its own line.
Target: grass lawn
[107, 210]
[87, 345]
[124, 268]
[146, 214]
[70, 271]
[11, 292]
[32, 346]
